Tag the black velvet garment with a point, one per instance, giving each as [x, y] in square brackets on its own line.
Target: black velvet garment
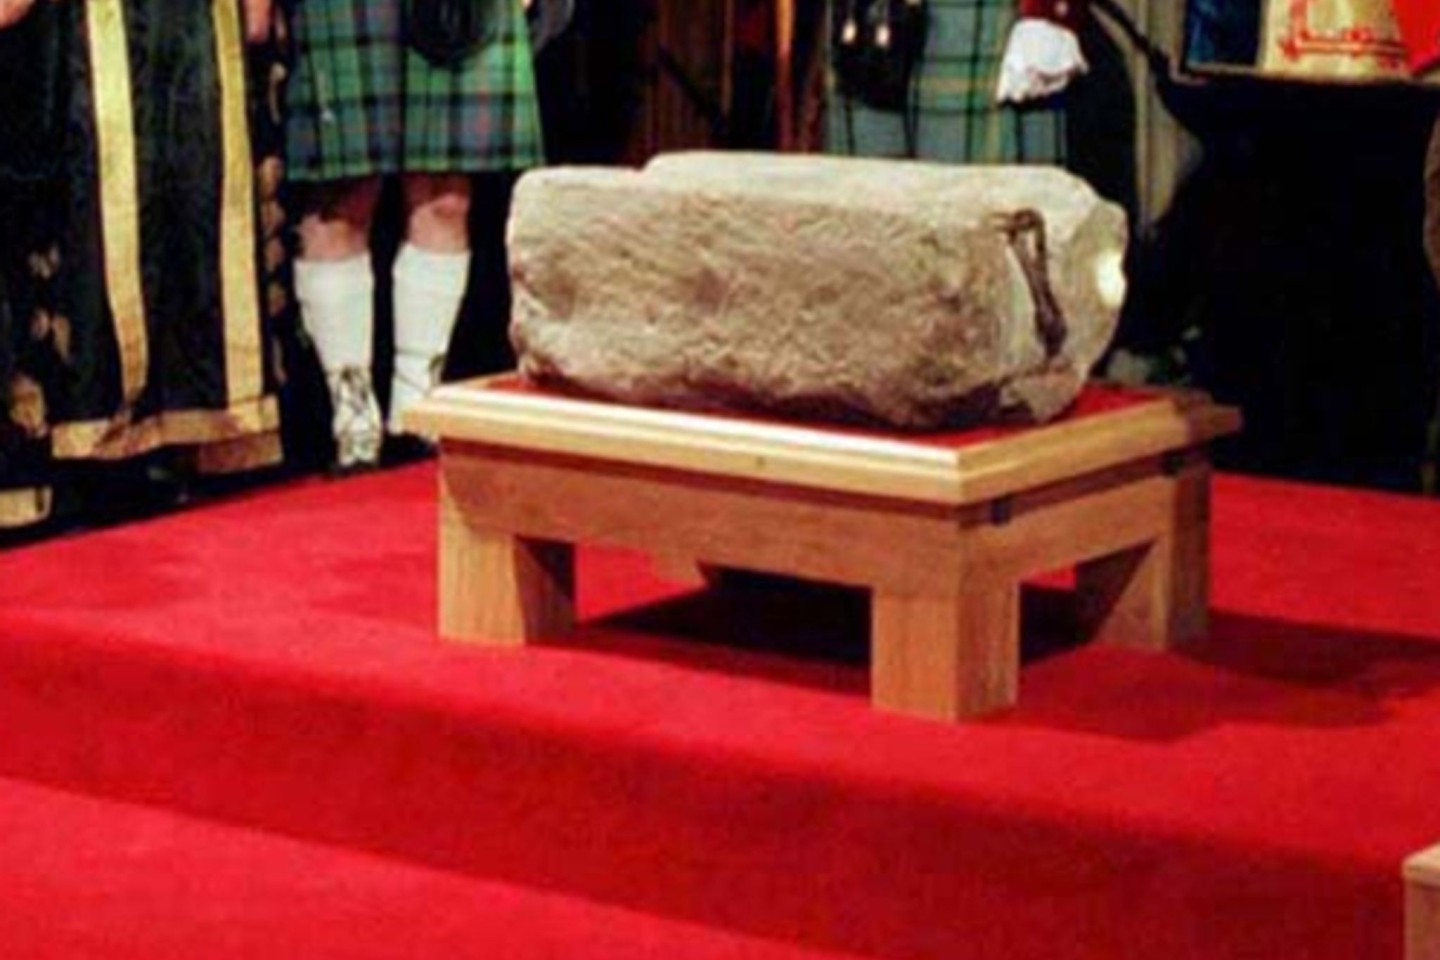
[31, 151]
[156, 320]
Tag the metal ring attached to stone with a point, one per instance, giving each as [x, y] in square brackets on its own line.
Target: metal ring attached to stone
[1025, 229]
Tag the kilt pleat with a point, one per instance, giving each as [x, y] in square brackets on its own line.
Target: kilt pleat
[957, 119]
[362, 103]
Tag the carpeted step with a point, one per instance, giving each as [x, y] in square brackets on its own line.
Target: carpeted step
[270, 663]
[86, 877]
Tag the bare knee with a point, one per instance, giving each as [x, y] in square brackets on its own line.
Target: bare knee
[437, 208]
[336, 218]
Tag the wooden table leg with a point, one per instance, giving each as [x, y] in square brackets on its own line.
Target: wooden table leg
[1422, 906]
[502, 590]
[946, 657]
[1155, 595]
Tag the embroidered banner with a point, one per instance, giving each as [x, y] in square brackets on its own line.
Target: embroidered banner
[1420, 25]
[1347, 40]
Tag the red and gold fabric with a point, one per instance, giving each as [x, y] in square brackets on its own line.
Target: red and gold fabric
[1342, 40]
[1419, 22]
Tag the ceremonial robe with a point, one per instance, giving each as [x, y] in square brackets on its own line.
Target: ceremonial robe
[134, 260]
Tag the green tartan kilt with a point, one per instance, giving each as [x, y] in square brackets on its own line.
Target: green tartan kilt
[956, 117]
[362, 103]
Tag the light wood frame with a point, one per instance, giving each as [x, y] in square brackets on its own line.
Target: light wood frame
[941, 536]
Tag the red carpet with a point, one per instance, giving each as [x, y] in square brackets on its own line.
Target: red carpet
[709, 768]
[86, 877]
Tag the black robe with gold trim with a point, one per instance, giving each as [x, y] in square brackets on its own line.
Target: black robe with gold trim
[31, 134]
[156, 331]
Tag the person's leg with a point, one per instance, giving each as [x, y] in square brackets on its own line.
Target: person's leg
[335, 285]
[430, 275]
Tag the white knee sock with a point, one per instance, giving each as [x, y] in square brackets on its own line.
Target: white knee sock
[429, 288]
[336, 300]
[337, 308]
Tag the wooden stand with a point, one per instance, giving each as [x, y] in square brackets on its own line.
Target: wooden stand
[941, 530]
[1422, 906]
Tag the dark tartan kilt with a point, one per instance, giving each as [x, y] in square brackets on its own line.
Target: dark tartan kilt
[957, 118]
[362, 103]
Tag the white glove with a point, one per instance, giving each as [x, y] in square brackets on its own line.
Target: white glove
[1041, 58]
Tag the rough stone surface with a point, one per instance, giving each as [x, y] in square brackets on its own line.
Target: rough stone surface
[871, 291]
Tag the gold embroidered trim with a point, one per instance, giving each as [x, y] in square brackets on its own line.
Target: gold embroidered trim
[119, 188]
[236, 456]
[119, 438]
[239, 273]
[21, 508]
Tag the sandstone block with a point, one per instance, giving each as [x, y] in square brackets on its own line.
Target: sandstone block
[906, 294]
